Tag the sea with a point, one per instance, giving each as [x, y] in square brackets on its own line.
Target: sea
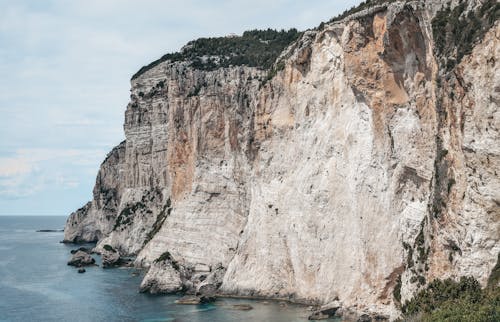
[37, 285]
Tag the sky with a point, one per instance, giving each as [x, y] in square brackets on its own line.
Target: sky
[65, 69]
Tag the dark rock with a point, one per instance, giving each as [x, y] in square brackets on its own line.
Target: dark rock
[325, 312]
[81, 270]
[207, 299]
[50, 231]
[82, 249]
[365, 318]
[81, 259]
[242, 307]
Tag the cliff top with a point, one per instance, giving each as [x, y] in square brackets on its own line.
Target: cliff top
[261, 48]
[255, 48]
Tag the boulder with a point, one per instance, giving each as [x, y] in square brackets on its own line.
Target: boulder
[211, 283]
[326, 311]
[110, 257]
[81, 270]
[80, 259]
[163, 277]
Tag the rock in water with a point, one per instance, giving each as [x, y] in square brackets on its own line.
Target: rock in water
[162, 277]
[83, 249]
[242, 307]
[110, 257]
[80, 259]
[189, 300]
[326, 311]
[81, 270]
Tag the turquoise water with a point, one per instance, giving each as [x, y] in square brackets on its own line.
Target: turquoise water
[37, 285]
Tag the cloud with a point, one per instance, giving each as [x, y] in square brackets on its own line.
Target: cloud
[10, 167]
[30, 171]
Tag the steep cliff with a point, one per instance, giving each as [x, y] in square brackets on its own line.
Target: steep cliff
[361, 166]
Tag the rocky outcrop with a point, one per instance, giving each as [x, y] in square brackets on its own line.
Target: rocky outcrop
[80, 259]
[164, 276]
[326, 311]
[110, 257]
[358, 170]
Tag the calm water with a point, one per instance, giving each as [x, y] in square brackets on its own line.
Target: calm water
[37, 285]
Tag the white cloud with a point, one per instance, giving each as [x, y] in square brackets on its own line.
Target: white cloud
[32, 170]
[10, 167]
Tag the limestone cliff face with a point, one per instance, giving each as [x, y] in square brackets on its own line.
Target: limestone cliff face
[361, 168]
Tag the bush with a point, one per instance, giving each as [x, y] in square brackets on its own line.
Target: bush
[126, 215]
[109, 248]
[167, 257]
[494, 278]
[454, 301]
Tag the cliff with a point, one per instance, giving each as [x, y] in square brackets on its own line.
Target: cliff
[358, 168]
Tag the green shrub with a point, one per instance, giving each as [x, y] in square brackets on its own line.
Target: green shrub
[494, 278]
[396, 293]
[109, 248]
[447, 300]
[163, 257]
[166, 256]
[160, 219]
[126, 215]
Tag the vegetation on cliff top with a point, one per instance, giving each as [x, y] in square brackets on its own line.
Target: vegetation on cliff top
[255, 48]
[362, 6]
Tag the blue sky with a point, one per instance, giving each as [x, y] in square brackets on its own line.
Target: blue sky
[65, 68]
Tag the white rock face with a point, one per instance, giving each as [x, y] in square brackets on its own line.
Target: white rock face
[349, 174]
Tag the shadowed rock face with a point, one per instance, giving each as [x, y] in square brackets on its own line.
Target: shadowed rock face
[361, 168]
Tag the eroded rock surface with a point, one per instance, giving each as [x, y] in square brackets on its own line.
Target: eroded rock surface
[359, 172]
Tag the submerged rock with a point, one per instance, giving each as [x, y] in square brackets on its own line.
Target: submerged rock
[189, 300]
[242, 307]
[81, 270]
[193, 300]
[80, 259]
